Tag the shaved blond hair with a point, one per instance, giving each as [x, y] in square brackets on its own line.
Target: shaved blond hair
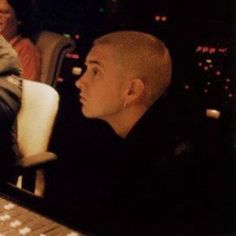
[141, 55]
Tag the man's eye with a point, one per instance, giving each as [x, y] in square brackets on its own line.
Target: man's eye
[95, 71]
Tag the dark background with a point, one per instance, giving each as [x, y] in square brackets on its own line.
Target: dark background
[201, 38]
[189, 24]
[206, 24]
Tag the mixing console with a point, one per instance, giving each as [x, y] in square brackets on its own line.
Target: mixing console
[16, 220]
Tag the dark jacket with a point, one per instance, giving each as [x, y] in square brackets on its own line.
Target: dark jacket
[10, 101]
[142, 183]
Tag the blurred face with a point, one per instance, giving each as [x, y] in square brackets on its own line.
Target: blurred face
[101, 86]
[8, 21]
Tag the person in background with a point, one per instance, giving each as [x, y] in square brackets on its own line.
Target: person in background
[10, 102]
[15, 21]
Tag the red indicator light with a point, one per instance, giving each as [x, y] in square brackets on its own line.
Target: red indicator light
[157, 18]
[199, 49]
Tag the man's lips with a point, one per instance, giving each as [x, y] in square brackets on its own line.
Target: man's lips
[82, 98]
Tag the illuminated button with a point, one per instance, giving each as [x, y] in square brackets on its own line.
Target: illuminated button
[226, 87]
[157, 18]
[222, 50]
[69, 55]
[5, 217]
[76, 70]
[218, 73]
[199, 49]
[199, 64]
[212, 113]
[205, 49]
[9, 206]
[15, 223]
[186, 87]
[75, 56]
[212, 50]
[60, 80]
[25, 231]
[208, 61]
[77, 36]
[67, 35]
[73, 234]
[164, 18]
[225, 49]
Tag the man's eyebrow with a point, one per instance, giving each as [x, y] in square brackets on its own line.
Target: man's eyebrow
[94, 62]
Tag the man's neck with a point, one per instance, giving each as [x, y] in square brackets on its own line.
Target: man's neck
[123, 124]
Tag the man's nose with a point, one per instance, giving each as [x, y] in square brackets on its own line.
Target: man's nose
[78, 83]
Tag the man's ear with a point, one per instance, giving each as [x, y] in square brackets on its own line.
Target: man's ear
[134, 91]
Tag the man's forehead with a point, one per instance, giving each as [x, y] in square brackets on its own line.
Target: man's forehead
[100, 53]
[5, 4]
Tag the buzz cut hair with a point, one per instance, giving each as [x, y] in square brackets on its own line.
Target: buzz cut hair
[144, 56]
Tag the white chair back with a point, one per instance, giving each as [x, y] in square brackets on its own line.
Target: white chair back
[36, 117]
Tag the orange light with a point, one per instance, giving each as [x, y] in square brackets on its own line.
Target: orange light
[213, 113]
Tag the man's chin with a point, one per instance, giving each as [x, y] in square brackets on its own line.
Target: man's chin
[86, 113]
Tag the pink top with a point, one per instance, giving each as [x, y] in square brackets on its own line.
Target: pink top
[29, 57]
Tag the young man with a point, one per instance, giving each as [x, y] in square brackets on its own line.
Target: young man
[136, 181]
[126, 73]
[124, 84]
[10, 101]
